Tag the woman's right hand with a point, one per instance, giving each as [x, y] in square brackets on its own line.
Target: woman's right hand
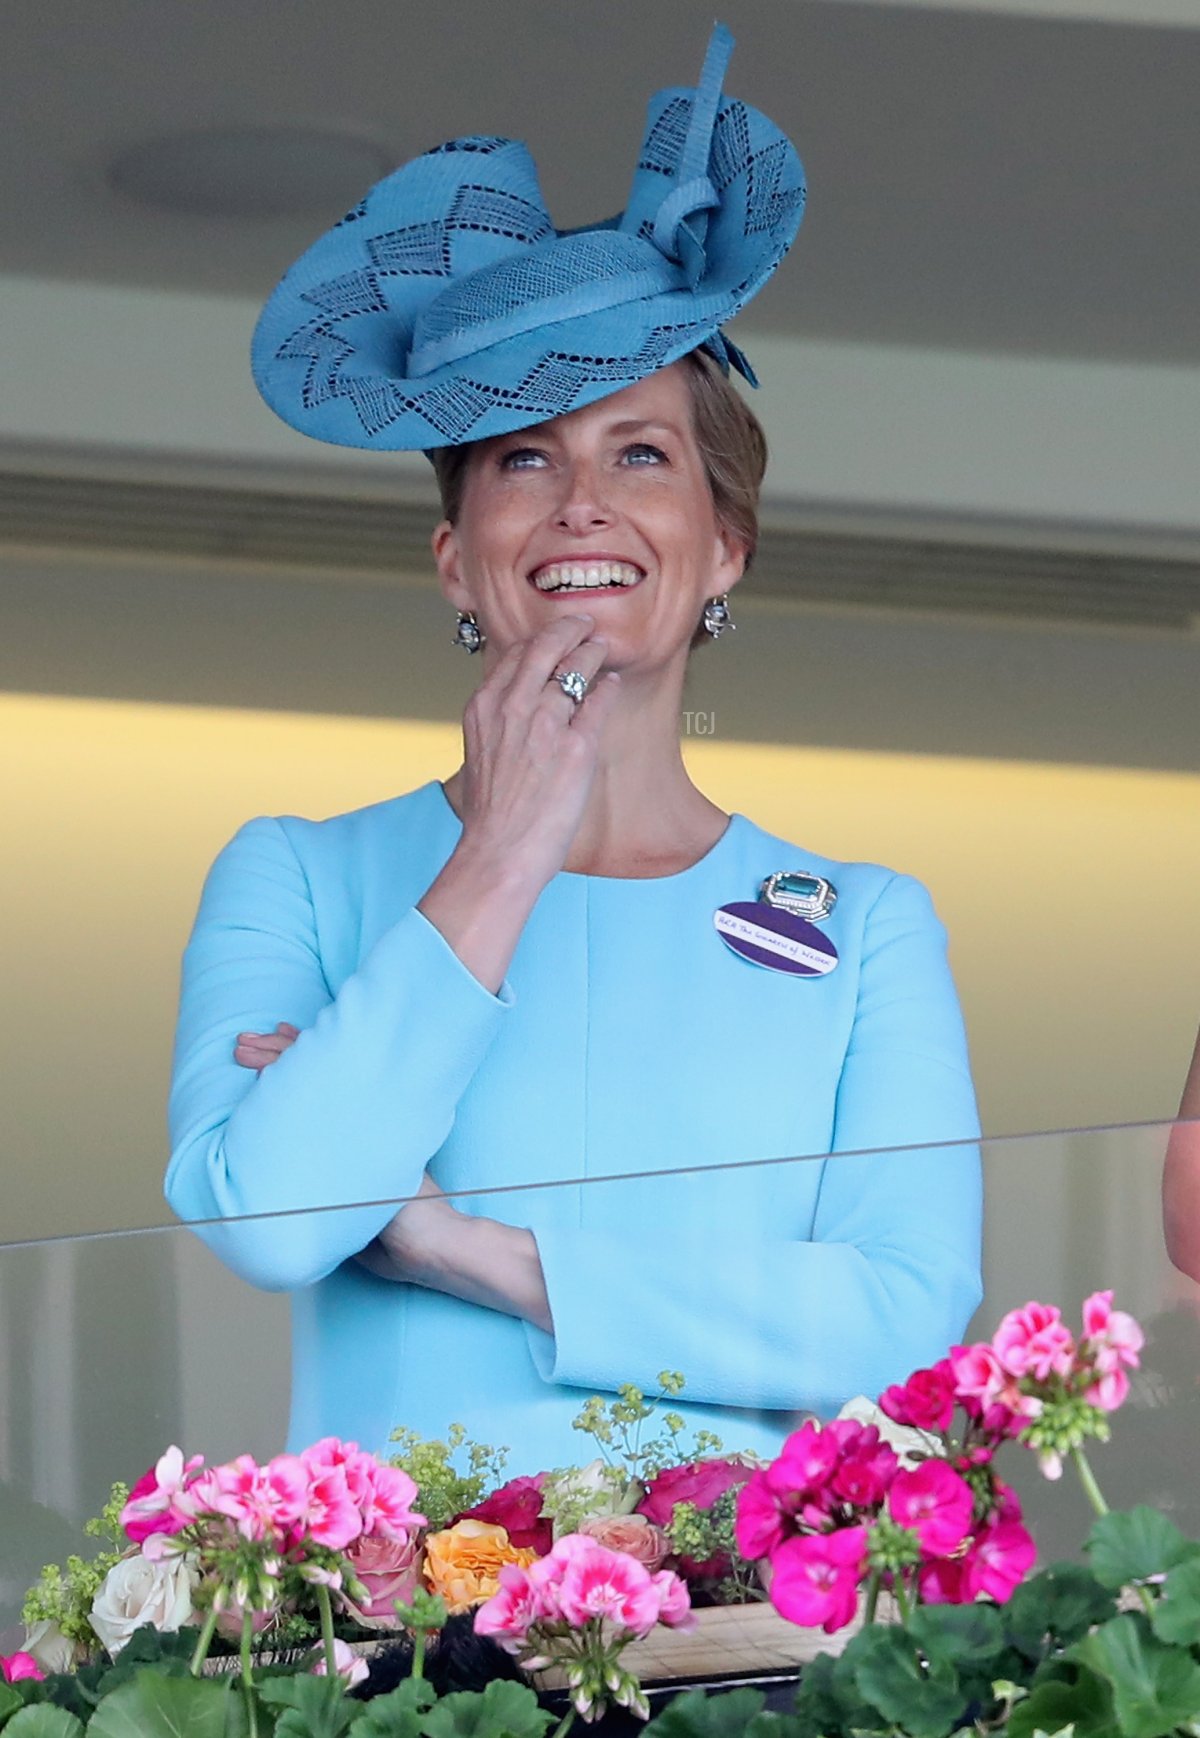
[530, 751]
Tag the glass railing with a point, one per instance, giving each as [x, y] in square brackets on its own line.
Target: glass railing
[773, 1286]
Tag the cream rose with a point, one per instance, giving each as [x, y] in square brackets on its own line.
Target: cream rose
[53, 1651]
[136, 1592]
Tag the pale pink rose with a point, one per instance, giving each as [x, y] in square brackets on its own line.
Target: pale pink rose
[348, 1665]
[151, 1507]
[936, 1503]
[598, 1583]
[633, 1534]
[1034, 1341]
[20, 1665]
[390, 1570]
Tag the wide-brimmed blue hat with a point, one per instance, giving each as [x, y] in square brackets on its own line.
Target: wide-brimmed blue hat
[446, 307]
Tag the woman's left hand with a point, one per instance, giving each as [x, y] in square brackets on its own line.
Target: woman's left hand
[429, 1242]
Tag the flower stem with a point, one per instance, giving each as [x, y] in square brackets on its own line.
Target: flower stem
[418, 1659]
[1087, 1479]
[247, 1634]
[901, 1598]
[565, 1724]
[326, 1608]
[203, 1643]
[872, 1596]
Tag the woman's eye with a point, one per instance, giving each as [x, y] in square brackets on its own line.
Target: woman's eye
[642, 453]
[522, 459]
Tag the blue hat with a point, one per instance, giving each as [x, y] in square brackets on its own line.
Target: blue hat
[446, 307]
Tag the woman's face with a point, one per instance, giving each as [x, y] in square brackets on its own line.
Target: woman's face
[615, 492]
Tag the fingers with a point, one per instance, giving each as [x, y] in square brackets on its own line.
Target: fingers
[562, 644]
[258, 1050]
[598, 705]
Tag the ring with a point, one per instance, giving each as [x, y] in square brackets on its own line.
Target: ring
[573, 684]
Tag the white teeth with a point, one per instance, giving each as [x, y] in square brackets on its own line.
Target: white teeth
[586, 576]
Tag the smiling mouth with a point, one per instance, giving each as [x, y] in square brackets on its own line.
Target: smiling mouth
[570, 576]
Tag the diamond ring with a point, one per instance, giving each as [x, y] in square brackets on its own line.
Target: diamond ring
[573, 684]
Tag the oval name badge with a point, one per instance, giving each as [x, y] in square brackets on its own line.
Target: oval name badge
[768, 936]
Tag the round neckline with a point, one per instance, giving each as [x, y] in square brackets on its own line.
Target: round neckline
[701, 863]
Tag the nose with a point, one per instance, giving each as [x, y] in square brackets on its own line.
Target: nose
[584, 504]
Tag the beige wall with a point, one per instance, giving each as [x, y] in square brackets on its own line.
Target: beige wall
[1069, 892]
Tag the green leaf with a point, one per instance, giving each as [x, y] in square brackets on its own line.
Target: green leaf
[695, 1715]
[971, 1634]
[1132, 1546]
[10, 1701]
[1085, 1704]
[43, 1720]
[1154, 1687]
[1177, 1608]
[399, 1714]
[926, 1701]
[1054, 1608]
[152, 1705]
[505, 1710]
[312, 1707]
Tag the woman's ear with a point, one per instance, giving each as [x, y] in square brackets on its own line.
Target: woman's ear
[732, 556]
[447, 556]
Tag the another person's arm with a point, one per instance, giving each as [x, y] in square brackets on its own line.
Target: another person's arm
[1181, 1178]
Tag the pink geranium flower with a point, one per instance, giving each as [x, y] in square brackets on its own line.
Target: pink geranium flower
[1034, 1341]
[152, 1507]
[866, 1469]
[925, 1401]
[511, 1612]
[761, 1521]
[815, 1577]
[265, 1503]
[936, 1503]
[597, 1583]
[330, 1516]
[20, 1665]
[1113, 1342]
[1000, 1557]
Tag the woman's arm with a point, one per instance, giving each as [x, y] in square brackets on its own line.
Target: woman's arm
[891, 1274]
[1181, 1178]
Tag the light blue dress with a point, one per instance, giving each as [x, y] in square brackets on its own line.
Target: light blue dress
[626, 1039]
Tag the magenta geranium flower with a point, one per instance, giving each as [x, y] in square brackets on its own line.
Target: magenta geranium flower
[936, 1503]
[925, 1401]
[815, 1577]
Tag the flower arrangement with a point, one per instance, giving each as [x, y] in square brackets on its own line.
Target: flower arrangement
[568, 1568]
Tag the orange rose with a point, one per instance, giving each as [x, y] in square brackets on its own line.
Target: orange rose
[463, 1562]
[633, 1534]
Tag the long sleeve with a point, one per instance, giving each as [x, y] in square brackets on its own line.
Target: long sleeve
[353, 1110]
[758, 1310]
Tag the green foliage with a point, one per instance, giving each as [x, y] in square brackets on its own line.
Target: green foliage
[64, 1596]
[1054, 1608]
[1135, 1545]
[504, 1710]
[696, 1715]
[616, 1427]
[150, 1705]
[1154, 1687]
[704, 1533]
[1176, 1616]
[309, 1707]
[444, 1491]
[1081, 1703]
[44, 1720]
[400, 1714]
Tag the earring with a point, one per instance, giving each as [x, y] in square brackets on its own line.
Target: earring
[717, 617]
[467, 632]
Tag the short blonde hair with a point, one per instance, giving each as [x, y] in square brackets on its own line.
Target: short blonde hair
[733, 450]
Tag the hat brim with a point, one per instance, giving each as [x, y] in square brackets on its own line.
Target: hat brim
[332, 350]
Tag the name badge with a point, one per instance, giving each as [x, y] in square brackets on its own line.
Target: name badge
[769, 936]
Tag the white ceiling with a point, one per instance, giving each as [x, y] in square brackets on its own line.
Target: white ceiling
[995, 178]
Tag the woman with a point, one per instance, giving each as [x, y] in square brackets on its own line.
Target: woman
[521, 975]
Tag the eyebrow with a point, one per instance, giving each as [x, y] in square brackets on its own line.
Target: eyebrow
[634, 423]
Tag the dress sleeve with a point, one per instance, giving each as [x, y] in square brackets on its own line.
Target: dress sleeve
[353, 1110]
[890, 1274]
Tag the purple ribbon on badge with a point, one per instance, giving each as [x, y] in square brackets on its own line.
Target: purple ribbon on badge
[768, 936]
